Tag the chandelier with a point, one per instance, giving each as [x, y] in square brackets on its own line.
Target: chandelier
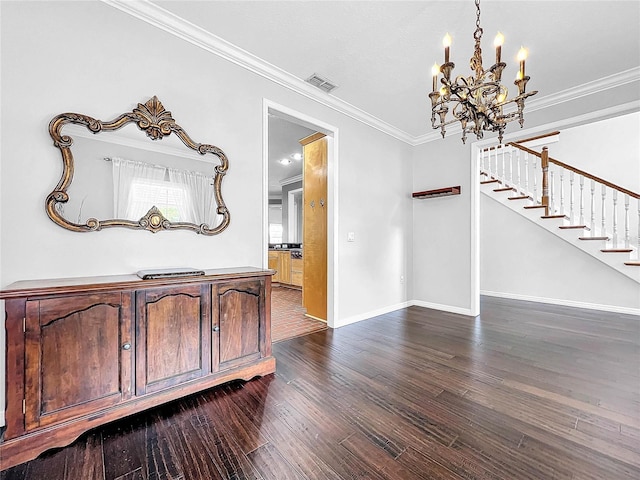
[476, 101]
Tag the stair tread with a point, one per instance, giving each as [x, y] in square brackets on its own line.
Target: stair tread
[633, 263]
[594, 238]
[553, 216]
[484, 182]
[521, 197]
[616, 250]
[534, 206]
[503, 189]
[567, 227]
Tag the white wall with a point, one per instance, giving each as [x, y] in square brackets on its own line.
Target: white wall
[90, 58]
[609, 149]
[442, 227]
[521, 260]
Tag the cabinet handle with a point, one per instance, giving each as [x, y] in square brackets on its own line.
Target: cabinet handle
[126, 346]
[216, 328]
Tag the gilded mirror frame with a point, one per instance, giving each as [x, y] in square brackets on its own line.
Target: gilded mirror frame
[152, 118]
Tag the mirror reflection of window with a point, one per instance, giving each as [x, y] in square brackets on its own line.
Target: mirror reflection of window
[168, 198]
[181, 196]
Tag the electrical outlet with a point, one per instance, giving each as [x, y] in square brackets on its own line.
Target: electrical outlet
[401, 278]
[351, 237]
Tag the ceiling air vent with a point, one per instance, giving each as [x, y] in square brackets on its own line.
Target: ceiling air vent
[322, 83]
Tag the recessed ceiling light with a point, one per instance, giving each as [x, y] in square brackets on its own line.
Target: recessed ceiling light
[285, 161]
[297, 156]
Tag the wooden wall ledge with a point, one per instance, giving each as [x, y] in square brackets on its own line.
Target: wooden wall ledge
[439, 192]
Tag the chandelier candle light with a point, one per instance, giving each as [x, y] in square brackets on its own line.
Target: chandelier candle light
[477, 101]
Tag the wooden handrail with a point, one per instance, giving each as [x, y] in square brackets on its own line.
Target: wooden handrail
[578, 171]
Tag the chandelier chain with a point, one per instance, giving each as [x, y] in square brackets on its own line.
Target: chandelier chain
[476, 61]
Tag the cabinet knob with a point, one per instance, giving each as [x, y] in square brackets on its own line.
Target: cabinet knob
[126, 346]
[216, 328]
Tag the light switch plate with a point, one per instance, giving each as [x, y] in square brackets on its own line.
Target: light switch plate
[351, 237]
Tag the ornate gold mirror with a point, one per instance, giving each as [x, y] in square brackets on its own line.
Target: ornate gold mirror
[132, 182]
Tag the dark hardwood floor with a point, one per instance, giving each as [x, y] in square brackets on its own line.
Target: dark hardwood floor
[526, 391]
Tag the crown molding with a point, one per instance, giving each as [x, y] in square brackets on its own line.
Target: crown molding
[165, 20]
[181, 28]
[290, 180]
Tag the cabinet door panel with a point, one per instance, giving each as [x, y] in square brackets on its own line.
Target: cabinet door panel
[73, 356]
[173, 337]
[241, 314]
[274, 264]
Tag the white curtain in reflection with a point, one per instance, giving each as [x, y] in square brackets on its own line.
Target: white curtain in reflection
[201, 209]
[126, 175]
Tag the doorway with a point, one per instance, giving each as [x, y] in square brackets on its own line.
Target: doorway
[282, 125]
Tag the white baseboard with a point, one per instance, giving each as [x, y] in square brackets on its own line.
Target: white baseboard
[445, 308]
[566, 303]
[371, 314]
[2, 424]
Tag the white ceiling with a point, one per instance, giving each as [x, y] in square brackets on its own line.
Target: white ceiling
[380, 53]
[283, 144]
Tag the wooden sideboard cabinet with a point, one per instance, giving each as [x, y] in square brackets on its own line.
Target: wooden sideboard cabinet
[87, 351]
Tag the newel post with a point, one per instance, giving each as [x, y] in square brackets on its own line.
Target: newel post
[545, 179]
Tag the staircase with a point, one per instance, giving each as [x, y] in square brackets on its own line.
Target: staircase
[588, 212]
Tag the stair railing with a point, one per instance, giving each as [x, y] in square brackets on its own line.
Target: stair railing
[553, 186]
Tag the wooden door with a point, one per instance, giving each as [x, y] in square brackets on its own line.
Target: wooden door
[78, 356]
[314, 226]
[240, 311]
[173, 336]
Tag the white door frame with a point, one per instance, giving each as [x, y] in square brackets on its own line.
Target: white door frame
[292, 215]
[271, 108]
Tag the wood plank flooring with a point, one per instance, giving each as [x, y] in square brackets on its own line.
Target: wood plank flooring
[525, 391]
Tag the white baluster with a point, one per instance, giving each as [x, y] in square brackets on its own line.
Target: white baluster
[638, 246]
[552, 207]
[526, 174]
[518, 186]
[511, 168]
[487, 163]
[603, 230]
[593, 218]
[581, 221]
[504, 175]
[562, 191]
[535, 183]
[490, 167]
[593, 208]
[626, 221]
[571, 211]
[615, 219]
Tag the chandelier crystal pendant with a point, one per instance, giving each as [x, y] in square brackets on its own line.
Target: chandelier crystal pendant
[477, 101]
